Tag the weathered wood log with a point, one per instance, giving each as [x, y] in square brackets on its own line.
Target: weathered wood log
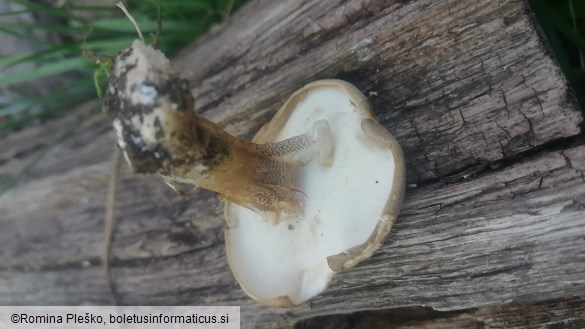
[569, 313]
[494, 214]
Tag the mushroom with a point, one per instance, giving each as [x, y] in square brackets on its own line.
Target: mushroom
[315, 192]
[348, 205]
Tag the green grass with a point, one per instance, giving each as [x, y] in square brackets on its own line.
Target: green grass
[183, 21]
[110, 30]
[563, 22]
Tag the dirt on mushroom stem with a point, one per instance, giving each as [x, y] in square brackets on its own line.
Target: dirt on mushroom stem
[158, 130]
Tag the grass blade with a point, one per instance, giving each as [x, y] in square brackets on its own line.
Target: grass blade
[45, 70]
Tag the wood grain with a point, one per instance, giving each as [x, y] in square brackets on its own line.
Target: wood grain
[556, 313]
[459, 83]
[490, 130]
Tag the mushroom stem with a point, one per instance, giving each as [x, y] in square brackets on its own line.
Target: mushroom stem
[261, 177]
[153, 114]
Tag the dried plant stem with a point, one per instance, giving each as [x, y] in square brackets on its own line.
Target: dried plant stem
[121, 6]
[110, 221]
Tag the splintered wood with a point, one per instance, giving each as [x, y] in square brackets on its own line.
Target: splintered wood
[492, 138]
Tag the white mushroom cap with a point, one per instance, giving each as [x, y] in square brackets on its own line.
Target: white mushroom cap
[348, 208]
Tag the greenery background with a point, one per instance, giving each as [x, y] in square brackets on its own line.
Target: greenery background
[101, 29]
[563, 22]
[63, 30]
[70, 23]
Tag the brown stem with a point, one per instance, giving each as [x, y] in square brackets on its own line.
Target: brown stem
[159, 132]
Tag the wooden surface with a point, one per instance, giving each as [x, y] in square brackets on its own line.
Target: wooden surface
[496, 167]
[556, 313]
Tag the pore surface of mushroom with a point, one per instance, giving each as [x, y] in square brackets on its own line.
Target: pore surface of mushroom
[347, 205]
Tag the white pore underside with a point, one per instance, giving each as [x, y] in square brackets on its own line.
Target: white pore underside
[342, 206]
